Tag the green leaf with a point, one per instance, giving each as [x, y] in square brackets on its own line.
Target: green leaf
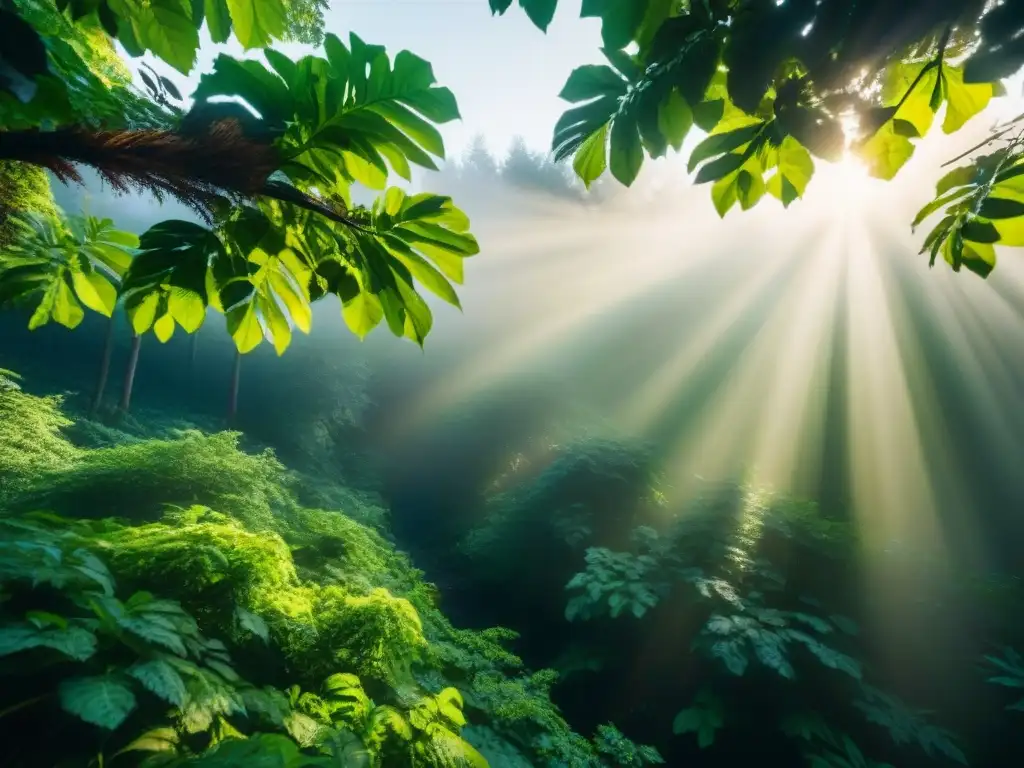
[257, 22]
[218, 20]
[74, 642]
[103, 701]
[626, 153]
[592, 81]
[980, 231]
[938, 203]
[154, 631]
[187, 308]
[794, 168]
[720, 143]
[1001, 208]
[160, 679]
[362, 314]
[163, 328]
[886, 152]
[731, 652]
[244, 325]
[963, 101]
[94, 291]
[541, 12]
[253, 623]
[980, 258]
[620, 19]
[251, 81]
[162, 26]
[590, 160]
[675, 119]
[720, 168]
[749, 189]
[43, 619]
[703, 719]
[917, 108]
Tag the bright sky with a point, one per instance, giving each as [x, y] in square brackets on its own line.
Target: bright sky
[506, 74]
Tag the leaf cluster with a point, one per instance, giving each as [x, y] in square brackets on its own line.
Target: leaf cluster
[105, 653]
[777, 85]
[755, 629]
[61, 264]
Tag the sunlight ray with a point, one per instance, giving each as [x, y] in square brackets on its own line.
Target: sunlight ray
[738, 426]
[890, 486]
[653, 396]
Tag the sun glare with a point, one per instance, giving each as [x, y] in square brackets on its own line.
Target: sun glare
[844, 186]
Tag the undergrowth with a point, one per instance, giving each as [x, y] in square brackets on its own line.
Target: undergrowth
[236, 625]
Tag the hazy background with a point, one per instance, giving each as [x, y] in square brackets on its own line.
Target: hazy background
[811, 350]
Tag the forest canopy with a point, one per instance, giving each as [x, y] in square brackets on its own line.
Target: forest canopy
[779, 86]
[179, 597]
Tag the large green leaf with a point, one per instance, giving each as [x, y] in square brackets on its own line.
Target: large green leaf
[257, 22]
[168, 282]
[429, 226]
[704, 718]
[64, 264]
[74, 642]
[164, 27]
[103, 701]
[590, 161]
[161, 679]
[270, 295]
[347, 117]
[620, 19]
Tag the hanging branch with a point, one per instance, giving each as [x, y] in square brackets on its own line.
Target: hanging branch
[200, 170]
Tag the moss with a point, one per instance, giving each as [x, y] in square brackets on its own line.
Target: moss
[135, 480]
[31, 441]
[23, 189]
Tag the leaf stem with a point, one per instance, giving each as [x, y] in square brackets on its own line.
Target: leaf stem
[23, 704]
[936, 62]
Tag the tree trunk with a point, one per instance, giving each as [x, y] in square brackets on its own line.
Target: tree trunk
[101, 382]
[129, 373]
[236, 375]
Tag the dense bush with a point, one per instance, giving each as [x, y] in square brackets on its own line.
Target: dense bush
[733, 621]
[295, 597]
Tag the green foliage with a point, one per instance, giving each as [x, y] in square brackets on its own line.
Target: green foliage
[61, 263]
[589, 490]
[775, 85]
[907, 726]
[31, 438]
[614, 582]
[109, 654]
[704, 719]
[169, 29]
[264, 268]
[136, 479]
[23, 189]
[81, 80]
[348, 116]
[176, 664]
[1008, 672]
[623, 752]
[297, 595]
[982, 204]
[755, 629]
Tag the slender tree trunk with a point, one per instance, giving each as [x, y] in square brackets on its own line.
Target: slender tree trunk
[129, 372]
[236, 375]
[101, 382]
